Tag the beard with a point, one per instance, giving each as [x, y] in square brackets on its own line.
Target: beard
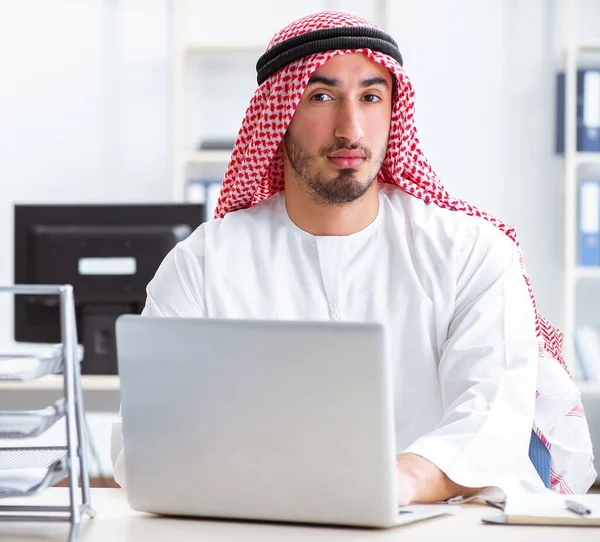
[345, 187]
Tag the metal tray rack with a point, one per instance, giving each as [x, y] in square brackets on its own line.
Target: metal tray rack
[24, 470]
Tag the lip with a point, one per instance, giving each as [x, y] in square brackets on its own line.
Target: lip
[346, 161]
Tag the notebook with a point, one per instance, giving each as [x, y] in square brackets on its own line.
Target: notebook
[548, 509]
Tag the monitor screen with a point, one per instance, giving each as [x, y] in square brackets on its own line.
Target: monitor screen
[108, 253]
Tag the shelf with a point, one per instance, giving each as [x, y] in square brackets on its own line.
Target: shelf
[208, 157]
[28, 471]
[587, 272]
[56, 383]
[588, 387]
[593, 46]
[28, 424]
[583, 158]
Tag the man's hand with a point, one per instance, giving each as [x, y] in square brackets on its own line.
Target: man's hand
[420, 481]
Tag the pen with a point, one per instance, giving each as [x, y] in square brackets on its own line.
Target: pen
[578, 508]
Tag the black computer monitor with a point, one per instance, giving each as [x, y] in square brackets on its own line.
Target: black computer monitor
[108, 253]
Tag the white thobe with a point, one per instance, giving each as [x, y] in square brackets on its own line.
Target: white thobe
[448, 287]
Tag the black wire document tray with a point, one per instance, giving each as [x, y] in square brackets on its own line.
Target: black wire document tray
[20, 367]
[31, 423]
[28, 471]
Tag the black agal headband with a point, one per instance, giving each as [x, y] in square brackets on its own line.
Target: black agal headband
[325, 39]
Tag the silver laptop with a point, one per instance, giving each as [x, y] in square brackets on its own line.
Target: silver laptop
[260, 420]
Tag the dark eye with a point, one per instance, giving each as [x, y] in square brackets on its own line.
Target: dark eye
[372, 98]
[321, 97]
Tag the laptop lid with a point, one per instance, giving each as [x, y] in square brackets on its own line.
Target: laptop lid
[262, 420]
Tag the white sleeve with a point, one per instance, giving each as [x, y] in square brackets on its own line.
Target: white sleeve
[116, 451]
[177, 290]
[487, 372]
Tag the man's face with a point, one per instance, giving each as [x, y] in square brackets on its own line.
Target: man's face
[337, 140]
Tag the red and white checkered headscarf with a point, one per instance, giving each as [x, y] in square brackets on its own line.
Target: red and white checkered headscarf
[255, 173]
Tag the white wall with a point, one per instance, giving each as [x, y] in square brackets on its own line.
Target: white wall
[84, 117]
[483, 78]
[85, 104]
[84, 109]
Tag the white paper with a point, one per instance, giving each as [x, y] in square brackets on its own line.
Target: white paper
[20, 480]
[417, 512]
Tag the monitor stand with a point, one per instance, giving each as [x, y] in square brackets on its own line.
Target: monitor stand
[99, 344]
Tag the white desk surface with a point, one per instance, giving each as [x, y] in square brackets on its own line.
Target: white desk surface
[116, 522]
[56, 382]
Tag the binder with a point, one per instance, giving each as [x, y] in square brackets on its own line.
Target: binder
[588, 111]
[204, 190]
[589, 223]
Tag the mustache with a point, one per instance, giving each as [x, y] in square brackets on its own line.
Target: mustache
[341, 146]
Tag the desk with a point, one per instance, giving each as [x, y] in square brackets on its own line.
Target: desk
[116, 522]
[100, 393]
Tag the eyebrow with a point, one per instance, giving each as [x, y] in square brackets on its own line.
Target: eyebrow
[332, 82]
[374, 81]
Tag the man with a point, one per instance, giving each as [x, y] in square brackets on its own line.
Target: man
[329, 211]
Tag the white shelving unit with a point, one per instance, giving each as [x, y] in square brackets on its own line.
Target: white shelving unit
[184, 155]
[186, 47]
[573, 161]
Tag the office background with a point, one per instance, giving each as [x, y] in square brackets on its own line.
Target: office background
[86, 109]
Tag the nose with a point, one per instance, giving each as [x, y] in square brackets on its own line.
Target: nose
[348, 122]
